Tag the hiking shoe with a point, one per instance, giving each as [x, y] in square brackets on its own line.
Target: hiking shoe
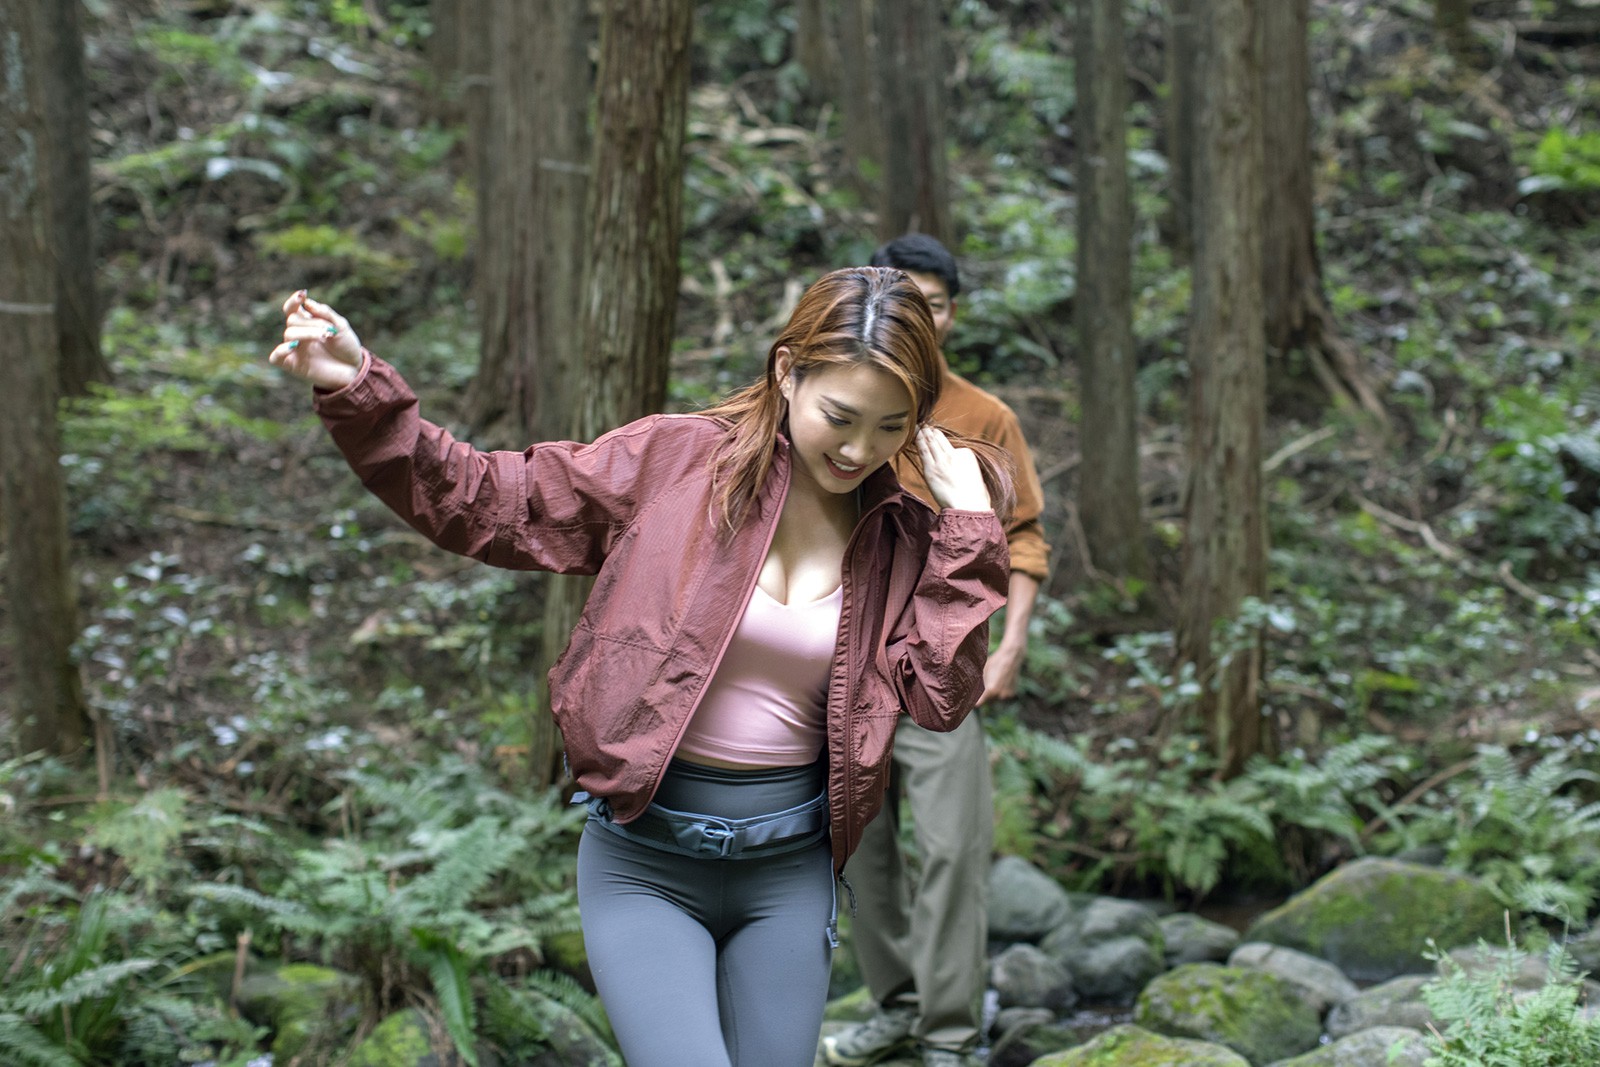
[886, 1032]
[942, 1057]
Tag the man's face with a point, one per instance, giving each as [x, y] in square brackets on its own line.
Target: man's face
[939, 301]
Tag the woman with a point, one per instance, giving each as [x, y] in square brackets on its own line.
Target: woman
[767, 602]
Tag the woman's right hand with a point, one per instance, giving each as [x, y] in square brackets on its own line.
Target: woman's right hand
[318, 344]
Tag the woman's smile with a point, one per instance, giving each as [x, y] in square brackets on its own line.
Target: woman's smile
[845, 422]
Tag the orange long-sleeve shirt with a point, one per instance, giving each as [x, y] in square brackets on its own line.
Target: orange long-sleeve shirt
[967, 409]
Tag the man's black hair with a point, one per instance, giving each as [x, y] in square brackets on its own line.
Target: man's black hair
[923, 254]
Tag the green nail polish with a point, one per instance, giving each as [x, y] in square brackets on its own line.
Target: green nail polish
[294, 344]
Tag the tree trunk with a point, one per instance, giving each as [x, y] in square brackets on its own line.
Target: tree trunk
[77, 297]
[1296, 307]
[630, 299]
[914, 193]
[444, 58]
[860, 108]
[533, 189]
[630, 293]
[533, 176]
[47, 707]
[1182, 30]
[1289, 247]
[1225, 548]
[1108, 486]
[816, 47]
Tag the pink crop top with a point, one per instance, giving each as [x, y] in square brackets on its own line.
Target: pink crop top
[766, 704]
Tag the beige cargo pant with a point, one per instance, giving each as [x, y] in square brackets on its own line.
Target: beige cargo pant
[925, 943]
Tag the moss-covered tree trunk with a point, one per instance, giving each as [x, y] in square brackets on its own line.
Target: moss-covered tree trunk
[630, 291]
[914, 194]
[46, 706]
[67, 119]
[1225, 547]
[1108, 485]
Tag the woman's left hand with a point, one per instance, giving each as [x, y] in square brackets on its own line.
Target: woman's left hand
[952, 473]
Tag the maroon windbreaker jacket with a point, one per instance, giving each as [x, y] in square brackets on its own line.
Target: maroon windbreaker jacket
[635, 508]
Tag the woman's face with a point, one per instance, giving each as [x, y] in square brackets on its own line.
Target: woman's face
[844, 421]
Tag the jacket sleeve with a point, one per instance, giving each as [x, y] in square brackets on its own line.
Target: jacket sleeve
[938, 647]
[557, 506]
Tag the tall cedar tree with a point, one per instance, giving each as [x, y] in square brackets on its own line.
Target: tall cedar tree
[1225, 547]
[857, 95]
[67, 105]
[1298, 317]
[532, 153]
[635, 216]
[47, 707]
[533, 186]
[914, 194]
[1179, 126]
[816, 47]
[1108, 485]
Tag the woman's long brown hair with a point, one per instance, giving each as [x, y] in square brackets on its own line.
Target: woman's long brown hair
[860, 315]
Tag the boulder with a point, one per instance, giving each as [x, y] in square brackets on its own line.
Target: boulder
[1397, 1002]
[1383, 1046]
[1027, 978]
[1187, 938]
[1113, 971]
[1373, 918]
[1132, 1046]
[1258, 1015]
[1321, 984]
[1024, 902]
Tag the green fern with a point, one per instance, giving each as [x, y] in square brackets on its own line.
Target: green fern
[1525, 830]
[429, 894]
[448, 969]
[25, 1046]
[565, 990]
[1489, 1020]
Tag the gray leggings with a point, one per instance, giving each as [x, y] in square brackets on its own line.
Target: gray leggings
[714, 962]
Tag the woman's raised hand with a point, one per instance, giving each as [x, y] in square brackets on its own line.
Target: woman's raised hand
[952, 473]
[318, 344]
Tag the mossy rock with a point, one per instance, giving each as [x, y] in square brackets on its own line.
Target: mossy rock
[1390, 1046]
[566, 952]
[1373, 918]
[1258, 1015]
[302, 1003]
[1133, 1046]
[404, 1039]
[855, 1006]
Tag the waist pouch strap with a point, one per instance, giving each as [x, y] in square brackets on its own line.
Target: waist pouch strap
[689, 833]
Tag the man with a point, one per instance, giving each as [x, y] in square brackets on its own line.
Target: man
[922, 950]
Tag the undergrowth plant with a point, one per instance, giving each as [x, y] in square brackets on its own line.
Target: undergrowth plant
[96, 979]
[439, 876]
[1527, 825]
[1490, 1018]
